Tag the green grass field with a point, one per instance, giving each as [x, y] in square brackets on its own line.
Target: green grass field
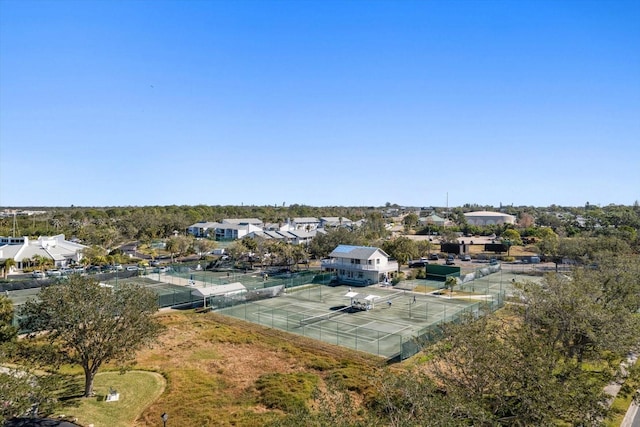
[137, 390]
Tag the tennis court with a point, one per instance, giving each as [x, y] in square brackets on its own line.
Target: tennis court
[324, 313]
[389, 321]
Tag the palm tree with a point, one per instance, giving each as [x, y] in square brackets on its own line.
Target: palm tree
[42, 262]
[450, 283]
[27, 262]
[8, 263]
[172, 247]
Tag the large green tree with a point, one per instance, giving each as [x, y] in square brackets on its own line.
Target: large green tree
[505, 373]
[89, 324]
[401, 248]
[20, 389]
[590, 312]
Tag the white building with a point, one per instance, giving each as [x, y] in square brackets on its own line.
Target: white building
[489, 218]
[359, 265]
[62, 252]
[228, 229]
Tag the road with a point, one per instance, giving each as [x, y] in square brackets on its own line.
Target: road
[632, 418]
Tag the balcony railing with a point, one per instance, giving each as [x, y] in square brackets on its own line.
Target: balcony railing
[339, 264]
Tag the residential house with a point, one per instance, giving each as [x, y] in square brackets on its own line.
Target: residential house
[359, 265]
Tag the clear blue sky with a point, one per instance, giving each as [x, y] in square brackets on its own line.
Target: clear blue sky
[114, 103]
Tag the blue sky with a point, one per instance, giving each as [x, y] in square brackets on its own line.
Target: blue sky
[327, 103]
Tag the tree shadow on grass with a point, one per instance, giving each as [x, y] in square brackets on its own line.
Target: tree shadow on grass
[71, 390]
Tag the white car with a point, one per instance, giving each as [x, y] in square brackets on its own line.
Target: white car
[37, 274]
[54, 273]
[132, 268]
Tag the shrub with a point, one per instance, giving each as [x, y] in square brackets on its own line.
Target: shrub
[287, 392]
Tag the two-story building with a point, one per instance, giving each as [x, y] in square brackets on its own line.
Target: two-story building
[359, 265]
[228, 229]
[202, 229]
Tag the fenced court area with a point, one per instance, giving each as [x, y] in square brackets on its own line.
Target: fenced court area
[389, 321]
[392, 328]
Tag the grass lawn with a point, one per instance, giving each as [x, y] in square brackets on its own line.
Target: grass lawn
[137, 389]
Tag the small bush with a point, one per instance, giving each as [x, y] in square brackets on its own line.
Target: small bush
[320, 364]
[287, 392]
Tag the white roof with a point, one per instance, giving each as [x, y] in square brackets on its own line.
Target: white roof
[216, 290]
[487, 213]
[358, 295]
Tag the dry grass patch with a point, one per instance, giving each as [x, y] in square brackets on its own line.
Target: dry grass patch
[216, 368]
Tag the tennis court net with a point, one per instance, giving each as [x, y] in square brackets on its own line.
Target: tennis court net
[321, 317]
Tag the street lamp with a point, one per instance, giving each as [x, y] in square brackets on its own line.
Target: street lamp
[164, 417]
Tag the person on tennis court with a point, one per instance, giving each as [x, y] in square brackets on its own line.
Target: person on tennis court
[414, 299]
[389, 302]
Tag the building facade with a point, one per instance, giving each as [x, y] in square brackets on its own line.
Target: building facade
[359, 265]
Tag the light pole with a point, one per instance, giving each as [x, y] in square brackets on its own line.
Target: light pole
[164, 417]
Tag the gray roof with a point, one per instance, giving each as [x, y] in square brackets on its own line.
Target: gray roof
[302, 234]
[254, 221]
[335, 219]
[224, 226]
[260, 234]
[205, 225]
[287, 234]
[303, 220]
[274, 235]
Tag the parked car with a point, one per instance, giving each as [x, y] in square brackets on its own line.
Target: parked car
[132, 268]
[493, 261]
[466, 257]
[54, 273]
[450, 260]
[417, 263]
[37, 274]
[433, 257]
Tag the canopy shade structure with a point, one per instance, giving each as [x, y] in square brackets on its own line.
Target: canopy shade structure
[354, 298]
[218, 290]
